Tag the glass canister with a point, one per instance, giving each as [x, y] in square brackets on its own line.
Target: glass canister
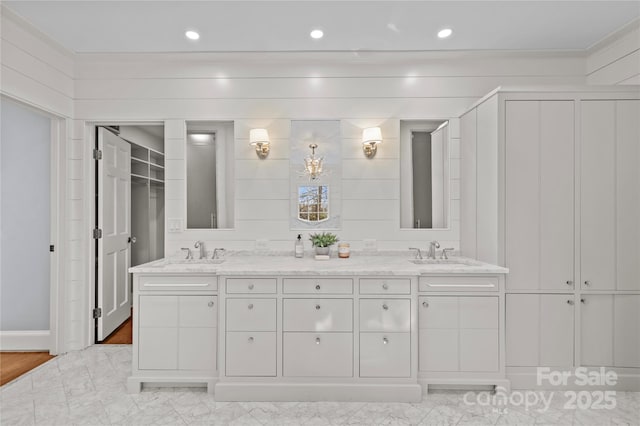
[344, 250]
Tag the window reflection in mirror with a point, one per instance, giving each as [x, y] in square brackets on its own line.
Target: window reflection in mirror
[313, 203]
[209, 174]
[424, 176]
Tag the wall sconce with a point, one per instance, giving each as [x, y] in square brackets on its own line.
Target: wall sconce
[259, 138]
[371, 137]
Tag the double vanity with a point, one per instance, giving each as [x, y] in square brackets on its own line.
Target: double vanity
[374, 327]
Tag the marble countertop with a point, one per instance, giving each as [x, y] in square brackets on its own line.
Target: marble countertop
[377, 263]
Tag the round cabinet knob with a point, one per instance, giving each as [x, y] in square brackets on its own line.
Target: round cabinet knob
[251, 286]
[569, 302]
[583, 300]
[385, 285]
[210, 304]
[250, 339]
[317, 307]
[569, 282]
[587, 283]
[317, 340]
[385, 307]
[250, 306]
[425, 304]
[385, 341]
[317, 286]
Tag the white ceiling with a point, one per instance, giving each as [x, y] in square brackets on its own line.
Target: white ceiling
[231, 26]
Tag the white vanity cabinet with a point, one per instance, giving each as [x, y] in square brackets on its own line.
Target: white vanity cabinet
[461, 330]
[175, 320]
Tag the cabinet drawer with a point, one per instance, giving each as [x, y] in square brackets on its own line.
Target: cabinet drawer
[385, 355]
[318, 354]
[198, 311]
[251, 285]
[251, 354]
[251, 314]
[317, 286]
[317, 315]
[177, 282]
[385, 315]
[458, 284]
[385, 286]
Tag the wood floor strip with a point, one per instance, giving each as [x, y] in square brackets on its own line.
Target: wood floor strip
[15, 364]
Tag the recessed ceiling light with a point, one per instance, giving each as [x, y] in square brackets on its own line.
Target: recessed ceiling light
[192, 35]
[316, 34]
[445, 33]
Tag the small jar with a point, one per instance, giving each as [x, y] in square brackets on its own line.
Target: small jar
[344, 250]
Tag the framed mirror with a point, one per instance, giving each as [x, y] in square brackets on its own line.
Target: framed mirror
[424, 174]
[209, 175]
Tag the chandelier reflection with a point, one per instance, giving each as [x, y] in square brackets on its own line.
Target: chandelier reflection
[313, 164]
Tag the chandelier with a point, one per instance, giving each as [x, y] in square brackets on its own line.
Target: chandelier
[313, 164]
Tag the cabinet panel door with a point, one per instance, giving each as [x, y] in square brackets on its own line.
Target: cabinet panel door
[523, 330]
[250, 353]
[478, 312]
[596, 332]
[556, 195]
[438, 350]
[628, 195]
[479, 350]
[157, 348]
[626, 350]
[597, 192]
[385, 314]
[317, 315]
[158, 311]
[198, 311]
[251, 314]
[317, 354]
[197, 348]
[438, 312]
[385, 355]
[522, 252]
[556, 330]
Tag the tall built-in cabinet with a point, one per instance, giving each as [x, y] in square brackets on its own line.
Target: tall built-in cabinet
[568, 197]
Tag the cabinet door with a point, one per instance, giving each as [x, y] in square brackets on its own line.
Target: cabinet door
[198, 311]
[158, 311]
[479, 349]
[522, 330]
[158, 348]
[251, 354]
[628, 195]
[556, 330]
[438, 349]
[385, 355]
[317, 354]
[197, 348]
[596, 334]
[597, 195]
[626, 350]
[539, 194]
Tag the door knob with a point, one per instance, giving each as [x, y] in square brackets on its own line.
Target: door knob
[583, 300]
[385, 307]
[251, 286]
[317, 340]
[569, 282]
[385, 285]
[250, 339]
[250, 306]
[569, 302]
[425, 304]
[385, 341]
[317, 307]
[587, 283]
[210, 304]
[317, 286]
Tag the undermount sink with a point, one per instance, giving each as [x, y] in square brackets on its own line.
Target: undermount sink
[165, 262]
[440, 262]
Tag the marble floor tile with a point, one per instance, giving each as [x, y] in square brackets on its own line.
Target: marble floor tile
[88, 388]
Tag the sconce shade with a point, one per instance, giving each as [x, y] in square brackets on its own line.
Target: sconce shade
[257, 136]
[371, 137]
[260, 139]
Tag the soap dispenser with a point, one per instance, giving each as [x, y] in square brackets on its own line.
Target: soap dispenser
[299, 247]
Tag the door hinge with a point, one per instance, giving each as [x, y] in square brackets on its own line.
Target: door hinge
[97, 233]
[97, 313]
[97, 154]
[52, 248]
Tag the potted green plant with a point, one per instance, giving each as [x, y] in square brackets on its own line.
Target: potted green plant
[323, 241]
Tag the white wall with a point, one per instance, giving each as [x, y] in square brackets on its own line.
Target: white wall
[616, 60]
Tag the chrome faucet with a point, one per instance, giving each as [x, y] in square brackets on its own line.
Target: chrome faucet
[433, 245]
[215, 253]
[418, 252]
[189, 254]
[203, 251]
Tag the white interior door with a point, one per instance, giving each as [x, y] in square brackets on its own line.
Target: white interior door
[114, 212]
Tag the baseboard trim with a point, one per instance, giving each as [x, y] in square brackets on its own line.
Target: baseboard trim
[25, 340]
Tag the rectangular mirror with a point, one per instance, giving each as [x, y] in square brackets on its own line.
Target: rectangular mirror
[209, 172]
[424, 174]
